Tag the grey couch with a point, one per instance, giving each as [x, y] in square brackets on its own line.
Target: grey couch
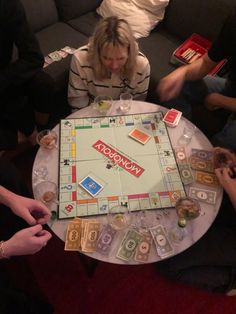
[59, 23]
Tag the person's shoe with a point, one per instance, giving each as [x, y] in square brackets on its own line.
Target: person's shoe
[231, 293]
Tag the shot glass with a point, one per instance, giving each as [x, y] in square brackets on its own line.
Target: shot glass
[47, 139]
[125, 102]
[102, 103]
[188, 133]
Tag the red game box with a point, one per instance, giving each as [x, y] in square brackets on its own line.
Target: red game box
[192, 49]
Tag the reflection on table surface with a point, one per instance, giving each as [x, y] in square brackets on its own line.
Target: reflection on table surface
[46, 168]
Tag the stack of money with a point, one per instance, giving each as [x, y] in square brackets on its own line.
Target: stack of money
[82, 235]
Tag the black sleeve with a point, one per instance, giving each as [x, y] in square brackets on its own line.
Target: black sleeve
[30, 58]
[221, 47]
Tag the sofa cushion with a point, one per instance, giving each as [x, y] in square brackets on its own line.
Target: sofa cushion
[204, 17]
[40, 13]
[86, 23]
[69, 9]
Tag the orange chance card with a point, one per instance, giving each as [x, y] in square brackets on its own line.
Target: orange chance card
[140, 136]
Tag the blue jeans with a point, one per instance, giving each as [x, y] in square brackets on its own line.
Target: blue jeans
[194, 93]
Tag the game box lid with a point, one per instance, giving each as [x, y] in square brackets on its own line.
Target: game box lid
[192, 49]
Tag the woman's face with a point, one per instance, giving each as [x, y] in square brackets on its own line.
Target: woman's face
[114, 57]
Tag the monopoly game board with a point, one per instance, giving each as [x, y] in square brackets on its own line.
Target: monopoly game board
[108, 161]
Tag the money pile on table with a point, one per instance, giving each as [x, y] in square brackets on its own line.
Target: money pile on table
[82, 235]
[199, 167]
[87, 235]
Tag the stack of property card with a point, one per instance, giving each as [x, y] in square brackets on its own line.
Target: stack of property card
[82, 234]
[172, 117]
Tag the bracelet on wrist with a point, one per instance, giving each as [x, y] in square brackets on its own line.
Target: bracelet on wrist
[2, 253]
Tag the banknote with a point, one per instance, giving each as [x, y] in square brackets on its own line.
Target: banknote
[186, 173]
[180, 155]
[206, 178]
[206, 196]
[143, 249]
[105, 239]
[197, 163]
[55, 56]
[73, 236]
[90, 236]
[163, 245]
[129, 245]
[203, 154]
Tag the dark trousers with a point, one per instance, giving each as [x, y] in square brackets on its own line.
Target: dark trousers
[19, 104]
[211, 262]
[12, 298]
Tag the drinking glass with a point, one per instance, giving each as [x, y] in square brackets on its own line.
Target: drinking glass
[178, 231]
[186, 209]
[47, 139]
[119, 217]
[126, 101]
[188, 133]
[46, 192]
[102, 103]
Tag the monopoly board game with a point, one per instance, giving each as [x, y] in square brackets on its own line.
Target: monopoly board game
[120, 160]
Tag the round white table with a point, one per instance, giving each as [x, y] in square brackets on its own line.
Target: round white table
[196, 228]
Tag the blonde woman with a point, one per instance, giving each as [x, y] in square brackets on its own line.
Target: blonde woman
[109, 65]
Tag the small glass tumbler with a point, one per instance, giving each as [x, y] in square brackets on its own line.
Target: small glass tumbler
[188, 133]
[103, 103]
[47, 139]
[46, 192]
[126, 101]
[119, 217]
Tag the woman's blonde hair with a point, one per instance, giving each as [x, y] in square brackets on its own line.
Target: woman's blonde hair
[118, 32]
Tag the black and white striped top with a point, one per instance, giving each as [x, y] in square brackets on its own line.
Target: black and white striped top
[84, 87]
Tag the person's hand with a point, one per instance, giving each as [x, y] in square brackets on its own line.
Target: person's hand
[211, 102]
[224, 176]
[26, 241]
[170, 86]
[229, 157]
[32, 211]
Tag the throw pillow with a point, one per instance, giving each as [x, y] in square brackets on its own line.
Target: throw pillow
[142, 15]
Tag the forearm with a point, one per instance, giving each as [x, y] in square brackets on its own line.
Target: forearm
[198, 69]
[225, 102]
[6, 196]
[231, 191]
